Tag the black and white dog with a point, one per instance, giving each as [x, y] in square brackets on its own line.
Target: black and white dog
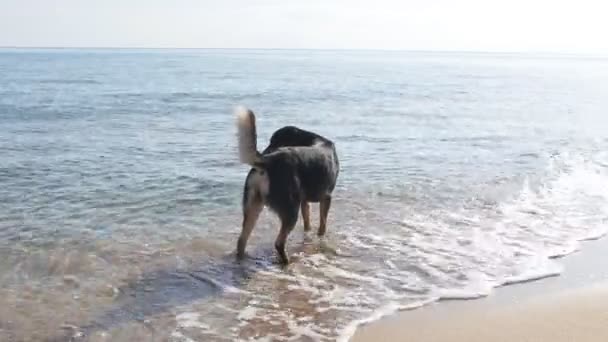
[297, 167]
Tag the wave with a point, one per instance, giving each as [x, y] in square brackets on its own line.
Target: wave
[376, 266]
[514, 242]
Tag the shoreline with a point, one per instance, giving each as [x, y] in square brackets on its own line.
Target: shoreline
[573, 303]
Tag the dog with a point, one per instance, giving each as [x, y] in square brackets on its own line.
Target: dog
[296, 168]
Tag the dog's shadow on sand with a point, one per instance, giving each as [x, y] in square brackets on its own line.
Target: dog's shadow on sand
[161, 290]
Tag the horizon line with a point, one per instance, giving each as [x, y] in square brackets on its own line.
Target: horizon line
[517, 52]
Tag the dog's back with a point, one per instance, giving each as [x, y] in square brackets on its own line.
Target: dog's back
[294, 136]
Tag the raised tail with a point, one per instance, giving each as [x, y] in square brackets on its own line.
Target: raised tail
[247, 135]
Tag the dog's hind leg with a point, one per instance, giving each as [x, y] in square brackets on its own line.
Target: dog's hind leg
[306, 215]
[288, 222]
[251, 211]
[324, 206]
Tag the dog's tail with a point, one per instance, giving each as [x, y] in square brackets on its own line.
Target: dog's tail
[248, 151]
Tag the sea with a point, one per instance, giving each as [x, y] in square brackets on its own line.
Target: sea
[120, 187]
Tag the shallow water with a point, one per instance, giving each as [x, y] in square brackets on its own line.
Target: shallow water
[120, 187]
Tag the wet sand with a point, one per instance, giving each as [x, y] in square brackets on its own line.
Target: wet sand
[579, 315]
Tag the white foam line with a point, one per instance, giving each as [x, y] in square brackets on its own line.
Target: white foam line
[181, 337]
[464, 294]
[595, 235]
[532, 276]
[224, 287]
[349, 275]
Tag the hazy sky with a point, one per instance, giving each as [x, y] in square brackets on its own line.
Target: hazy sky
[486, 25]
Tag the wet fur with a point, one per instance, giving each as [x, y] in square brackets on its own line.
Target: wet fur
[296, 168]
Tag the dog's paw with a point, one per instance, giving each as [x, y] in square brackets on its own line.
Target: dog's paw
[241, 256]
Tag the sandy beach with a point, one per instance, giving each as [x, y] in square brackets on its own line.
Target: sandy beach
[571, 307]
[578, 315]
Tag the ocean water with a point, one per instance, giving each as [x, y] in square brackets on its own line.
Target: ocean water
[120, 187]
